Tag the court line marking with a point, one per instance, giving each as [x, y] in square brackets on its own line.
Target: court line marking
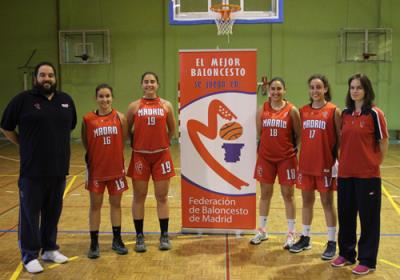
[227, 259]
[8, 209]
[10, 159]
[17, 160]
[390, 166]
[272, 235]
[58, 264]
[5, 144]
[387, 194]
[79, 165]
[16, 175]
[69, 186]
[16, 273]
[390, 263]
[318, 243]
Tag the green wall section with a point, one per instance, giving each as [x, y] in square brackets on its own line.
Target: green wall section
[24, 26]
[142, 39]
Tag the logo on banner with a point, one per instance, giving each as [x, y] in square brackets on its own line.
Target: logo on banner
[229, 132]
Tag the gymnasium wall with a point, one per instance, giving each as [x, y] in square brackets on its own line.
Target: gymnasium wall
[142, 39]
[24, 26]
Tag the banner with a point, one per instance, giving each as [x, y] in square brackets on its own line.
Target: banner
[218, 140]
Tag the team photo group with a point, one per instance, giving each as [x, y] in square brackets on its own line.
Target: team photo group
[318, 148]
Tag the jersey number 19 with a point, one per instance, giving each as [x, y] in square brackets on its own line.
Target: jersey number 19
[151, 121]
[166, 167]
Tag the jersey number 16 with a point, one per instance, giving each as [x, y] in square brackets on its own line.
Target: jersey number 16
[107, 140]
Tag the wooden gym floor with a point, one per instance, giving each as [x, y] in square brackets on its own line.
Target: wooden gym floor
[192, 256]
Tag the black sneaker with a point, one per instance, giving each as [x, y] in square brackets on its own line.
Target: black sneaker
[140, 247]
[118, 246]
[164, 242]
[94, 252]
[301, 245]
[330, 251]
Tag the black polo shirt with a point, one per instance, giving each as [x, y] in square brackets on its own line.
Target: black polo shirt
[44, 132]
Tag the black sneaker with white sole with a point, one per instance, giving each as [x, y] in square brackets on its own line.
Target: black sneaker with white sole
[164, 242]
[330, 251]
[94, 251]
[301, 245]
[140, 246]
[118, 246]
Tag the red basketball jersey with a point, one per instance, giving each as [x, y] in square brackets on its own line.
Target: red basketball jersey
[150, 126]
[277, 135]
[105, 146]
[318, 140]
[360, 154]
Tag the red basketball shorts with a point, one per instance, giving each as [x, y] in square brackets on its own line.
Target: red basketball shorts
[158, 165]
[266, 171]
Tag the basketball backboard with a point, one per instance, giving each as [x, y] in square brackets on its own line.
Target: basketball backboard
[193, 12]
[365, 45]
[84, 46]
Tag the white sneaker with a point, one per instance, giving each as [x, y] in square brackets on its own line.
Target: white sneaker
[259, 237]
[290, 240]
[33, 266]
[54, 256]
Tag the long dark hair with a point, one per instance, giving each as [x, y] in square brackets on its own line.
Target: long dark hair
[324, 80]
[149, 73]
[279, 79]
[368, 90]
[104, 85]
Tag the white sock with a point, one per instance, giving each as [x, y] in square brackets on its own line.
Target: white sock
[331, 233]
[306, 230]
[263, 222]
[291, 225]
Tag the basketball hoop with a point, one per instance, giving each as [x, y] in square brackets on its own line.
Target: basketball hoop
[224, 17]
[367, 56]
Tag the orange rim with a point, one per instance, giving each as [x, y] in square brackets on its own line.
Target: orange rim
[225, 10]
[222, 8]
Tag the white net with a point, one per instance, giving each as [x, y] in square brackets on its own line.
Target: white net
[224, 26]
[224, 17]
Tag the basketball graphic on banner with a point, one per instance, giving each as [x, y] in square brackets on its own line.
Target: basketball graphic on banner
[231, 131]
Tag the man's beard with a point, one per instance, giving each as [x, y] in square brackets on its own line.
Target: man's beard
[40, 88]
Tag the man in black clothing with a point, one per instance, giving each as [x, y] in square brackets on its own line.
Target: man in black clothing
[45, 118]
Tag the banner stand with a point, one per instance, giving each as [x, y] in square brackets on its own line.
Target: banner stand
[217, 113]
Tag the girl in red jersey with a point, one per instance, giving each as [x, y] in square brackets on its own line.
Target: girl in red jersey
[152, 124]
[364, 143]
[103, 135]
[320, 122]
[278, 125]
